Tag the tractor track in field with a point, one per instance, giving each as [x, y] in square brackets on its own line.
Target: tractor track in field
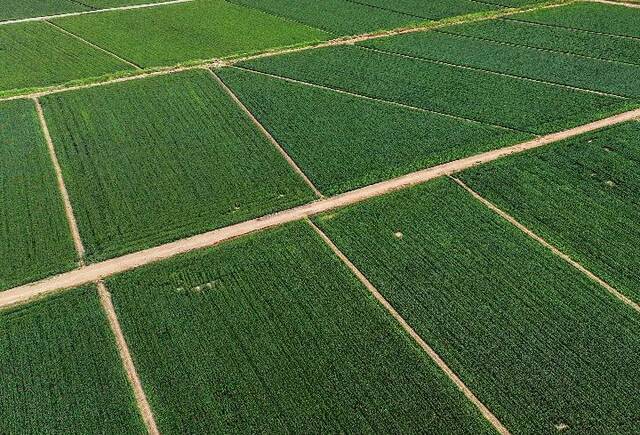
[97, 271]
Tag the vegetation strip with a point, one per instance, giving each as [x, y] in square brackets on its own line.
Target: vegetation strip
[147, 72]
[127, 361]
[428, 350]
[268, 135]
[72, 14]
[97, 47]
[113, 266]
[73, 225]
[547, 245]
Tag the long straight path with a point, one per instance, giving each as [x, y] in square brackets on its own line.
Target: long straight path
[98, 271]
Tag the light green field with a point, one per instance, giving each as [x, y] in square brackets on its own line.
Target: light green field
[539, 343]
[34, 241]
[158, 159]
[272, 333]
[60, 371]
[188, 32]
[15, 9]
[37, 54]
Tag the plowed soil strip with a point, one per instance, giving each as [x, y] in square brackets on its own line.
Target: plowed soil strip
[73, 225]
[547, 245]
[268, 135]
[429, 351]
[96, 11]
[127, 361]
[113, 266]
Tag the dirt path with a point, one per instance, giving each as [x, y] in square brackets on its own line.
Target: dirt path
[127, 361]
[96, 11]
[619, 3]
[547, 245]
[268, 135]
[71, 219]
[429, 351]
[97, 271]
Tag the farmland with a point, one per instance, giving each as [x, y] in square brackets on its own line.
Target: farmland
[505, 101]
[496, 305]
[25, 45]
[35, 235]
[339, 140]
[60, 372]
[588, 203]
[319, 216]
[137, 181]
[188, 32]
[273, 333]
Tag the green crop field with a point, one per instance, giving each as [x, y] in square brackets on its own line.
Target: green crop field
[510, 102]
[434, 9]
[585, 73]
[342, 142]
[37, 54]
[35, 240]
[337, 17]
[273, 334]
[188, 32]
[12, 9]
[60, 371]
[538, 342]
[592, 17]
[580, 195]
[149, 161]
[556, 39]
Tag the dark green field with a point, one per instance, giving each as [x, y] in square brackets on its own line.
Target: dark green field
[12, 9]
[37, 54]
[510, 102]
[272, 333]
[538, 342]
[60, 371]
[35, 241]
[154, 160]
[342, 142]
[553, 67]
[433, 9]
[188, 32]
[581, 195]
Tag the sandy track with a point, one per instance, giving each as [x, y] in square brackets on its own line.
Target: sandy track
[413, 334]
[619, 3]
[547, 245]
[97, 271]
[96, 11]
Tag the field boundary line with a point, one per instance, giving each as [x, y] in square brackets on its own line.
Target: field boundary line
[94, 11]
[92, 45]
[381, 100]
[266, 134]
[513, 221]
[62, 188]
[127, 361]
[625, 4]
[486, 413]
[496, 73]
[113, 266]
[229, 61]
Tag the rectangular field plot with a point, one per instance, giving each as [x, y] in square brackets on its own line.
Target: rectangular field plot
[504, 101]
[556, 39]
[342, 142]
[337, 17]
[272, 333]
[153, 160]
[581, 195]
[60, 371]
[12, 9]
[434, 9]
[541, 345]
[38, 54]
[35, 240]
[590, 16]
[566, 69]
[187, 32]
